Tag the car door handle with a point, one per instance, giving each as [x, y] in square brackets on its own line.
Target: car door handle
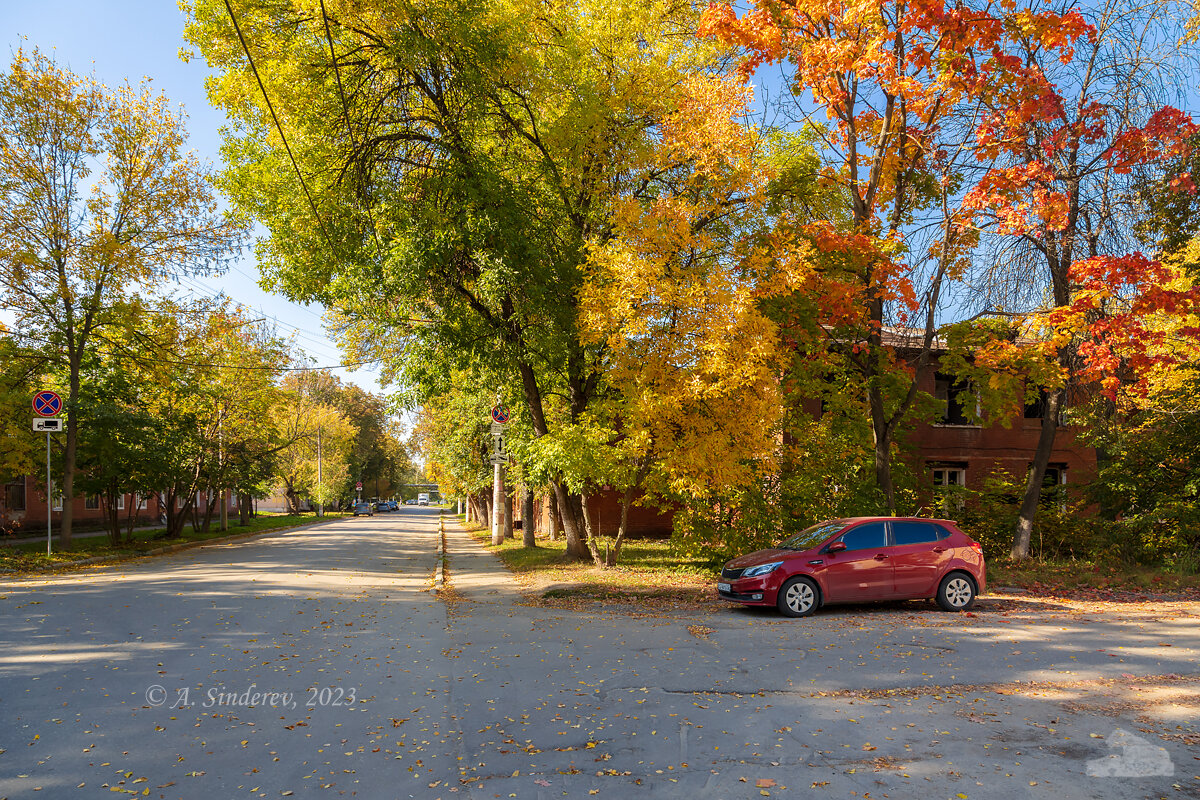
[882, 557]
[816, 562]
[939, 549]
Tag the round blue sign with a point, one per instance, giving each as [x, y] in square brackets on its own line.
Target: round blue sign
[47, 403]
[500, 414]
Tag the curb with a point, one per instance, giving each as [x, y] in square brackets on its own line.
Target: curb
[439, 575]
[171, 548]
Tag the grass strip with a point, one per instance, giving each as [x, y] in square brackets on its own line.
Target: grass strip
[31, 556]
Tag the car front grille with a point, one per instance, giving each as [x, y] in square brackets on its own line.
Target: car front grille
[728, 574]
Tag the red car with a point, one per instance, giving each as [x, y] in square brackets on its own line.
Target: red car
[859, 560]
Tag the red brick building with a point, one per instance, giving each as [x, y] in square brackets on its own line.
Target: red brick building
[23, 508]
[955, 452]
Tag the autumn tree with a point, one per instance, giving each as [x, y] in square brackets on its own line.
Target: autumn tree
[99, 201]
[19, 371]
[893, 94]
[439, 172]
[310, 427]
[1060, 210]
[690, 399]
[452, 435]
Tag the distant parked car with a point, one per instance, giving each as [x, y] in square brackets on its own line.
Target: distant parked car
[363, 509]
[859, 560]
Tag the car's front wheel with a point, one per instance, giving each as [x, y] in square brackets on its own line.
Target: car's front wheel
[957, 592]
[798, 597]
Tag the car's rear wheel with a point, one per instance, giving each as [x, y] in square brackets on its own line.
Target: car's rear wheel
[957, 592]
[798, 597]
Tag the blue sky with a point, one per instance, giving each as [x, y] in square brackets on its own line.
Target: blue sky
[118, 40]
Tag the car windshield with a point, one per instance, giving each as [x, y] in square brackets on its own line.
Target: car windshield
[811, 537]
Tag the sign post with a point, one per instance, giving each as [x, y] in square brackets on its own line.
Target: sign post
[47, 404]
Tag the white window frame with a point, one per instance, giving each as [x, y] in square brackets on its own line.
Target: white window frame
[121, 501]
[959, 472]
[1062, 481]
[941, 482]
[56, 498]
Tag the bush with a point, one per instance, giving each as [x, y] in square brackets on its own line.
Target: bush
[825, 475]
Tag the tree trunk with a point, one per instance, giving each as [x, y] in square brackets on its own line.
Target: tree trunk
[593, 531]
[1023, 534]
[481, 509]
[555, 520]
[570, 512]
[508, 512]
[209, 509]
[528, 526]
[243, 509]
[112, 517]
[626, 499]
[883, 449]
[135, 505]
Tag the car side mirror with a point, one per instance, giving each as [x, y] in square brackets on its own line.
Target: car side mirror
[836, 547]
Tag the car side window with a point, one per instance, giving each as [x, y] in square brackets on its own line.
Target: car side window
[914, 532]
[871, 536]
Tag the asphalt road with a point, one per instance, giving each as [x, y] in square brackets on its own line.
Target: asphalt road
[317, 663]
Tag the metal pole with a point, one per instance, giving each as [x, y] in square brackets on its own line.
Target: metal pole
[49, 501]
[224, 497]
[320, 486]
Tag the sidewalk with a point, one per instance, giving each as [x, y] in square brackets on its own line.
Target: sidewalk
[475, 573]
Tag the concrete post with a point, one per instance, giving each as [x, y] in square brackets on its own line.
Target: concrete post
[498, 505]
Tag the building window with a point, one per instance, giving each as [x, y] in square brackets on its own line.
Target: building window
[1054, 486]
[953, 397]
[949, 484]
[1037, 409]
[92, 501]
[56, 502]
[14, 495]
[121, 502]
[949, 476]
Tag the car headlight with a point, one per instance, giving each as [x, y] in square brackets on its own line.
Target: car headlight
[761, 569]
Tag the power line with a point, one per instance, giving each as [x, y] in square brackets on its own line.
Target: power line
[311, 336]
[183, 363]
[278, 127]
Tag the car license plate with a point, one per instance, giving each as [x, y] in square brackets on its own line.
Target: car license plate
[723, 587]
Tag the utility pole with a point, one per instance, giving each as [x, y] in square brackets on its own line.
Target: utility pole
[500, 526]
[320, 486]
[221, 471]
[498, 505]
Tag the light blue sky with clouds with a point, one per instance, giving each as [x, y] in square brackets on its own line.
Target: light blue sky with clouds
[118, 40]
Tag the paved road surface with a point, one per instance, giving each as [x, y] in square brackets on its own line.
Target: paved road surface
[143, 677]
